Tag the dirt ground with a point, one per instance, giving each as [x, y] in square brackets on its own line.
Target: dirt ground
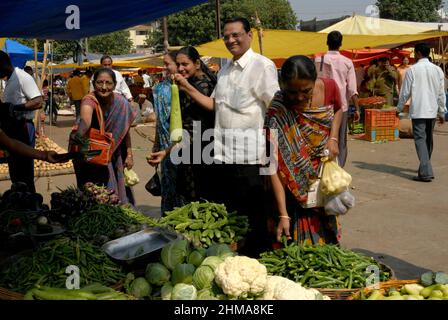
[398, 221]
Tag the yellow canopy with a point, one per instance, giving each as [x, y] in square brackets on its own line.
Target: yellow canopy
[361, 25]
[2, 42]
[280, 44]
[146, 62]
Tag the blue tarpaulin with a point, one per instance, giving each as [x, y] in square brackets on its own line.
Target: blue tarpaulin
[20, 53]
[76, 19]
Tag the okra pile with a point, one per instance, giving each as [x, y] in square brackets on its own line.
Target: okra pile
[321, 266]
[47, 265]
[206, 223]
[102, 223]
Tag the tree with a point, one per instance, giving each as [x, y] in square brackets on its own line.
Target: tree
[410, 10]
[197, 25]
[113, 43]
[117, 42]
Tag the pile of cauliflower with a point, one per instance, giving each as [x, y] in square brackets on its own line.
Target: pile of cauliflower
[243, 277]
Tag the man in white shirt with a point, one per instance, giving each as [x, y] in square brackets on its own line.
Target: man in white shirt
[424, 84]
[245, 88]
[22, 97]
[146, 79]
[121, 87]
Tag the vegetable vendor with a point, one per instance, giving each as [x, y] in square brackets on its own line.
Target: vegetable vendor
[306, 114]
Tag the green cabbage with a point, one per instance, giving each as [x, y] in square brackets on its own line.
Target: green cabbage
[205, 294]
[175, 253]
[166, 291]
[157, 274]
[140, 288]
[182, 291]
[183, 273]
[212, 262]
[221, 250]
[203, 277]
[196, 257]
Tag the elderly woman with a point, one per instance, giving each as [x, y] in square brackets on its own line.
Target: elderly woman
[118, 117]
[306, 115]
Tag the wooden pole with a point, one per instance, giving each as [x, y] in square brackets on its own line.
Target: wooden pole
[35, 64]
[166, 44]
[259, 32]
[218, 19]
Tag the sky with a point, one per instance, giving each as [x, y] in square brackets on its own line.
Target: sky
[327, 9]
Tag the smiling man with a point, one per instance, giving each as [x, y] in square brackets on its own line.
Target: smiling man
[245, 88]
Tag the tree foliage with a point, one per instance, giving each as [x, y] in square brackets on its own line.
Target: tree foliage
[113, 43]
[198, 24]
[117, 42]
[410, 10]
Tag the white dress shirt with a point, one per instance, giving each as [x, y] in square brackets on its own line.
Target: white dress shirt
[121, 87]
[19, 89]
[244, 90]
[424, 84]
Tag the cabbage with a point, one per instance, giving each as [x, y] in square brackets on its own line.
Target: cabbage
[196, 257]
[205, 294]
[220, 250]
[157, 274]
[203, 277]
[140, 288]
[212, 262]
[182, 291]
[174, 253]
[183, 273]
[166, 291]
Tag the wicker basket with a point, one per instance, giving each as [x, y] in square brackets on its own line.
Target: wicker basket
[383, 286]
[6, 294]
[339, 294]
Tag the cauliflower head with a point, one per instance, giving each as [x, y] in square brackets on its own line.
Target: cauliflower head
[279, 288]
[241, 276]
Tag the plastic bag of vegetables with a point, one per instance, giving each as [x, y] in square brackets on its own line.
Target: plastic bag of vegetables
[334, 179]
[130, 177]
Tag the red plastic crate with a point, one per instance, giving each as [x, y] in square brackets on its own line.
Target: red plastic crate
[375, 118]
[381, 134]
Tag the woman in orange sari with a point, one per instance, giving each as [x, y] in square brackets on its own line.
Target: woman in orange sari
[302, 122]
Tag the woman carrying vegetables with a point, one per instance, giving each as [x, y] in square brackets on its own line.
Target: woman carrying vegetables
[306, 114]
[193, 179]
[118, 117]
[162, 108]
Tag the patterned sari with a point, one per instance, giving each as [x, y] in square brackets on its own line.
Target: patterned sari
[117, 120]
[301, 137]
[162, 108]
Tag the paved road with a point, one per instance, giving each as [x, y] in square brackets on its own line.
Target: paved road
[399, 221]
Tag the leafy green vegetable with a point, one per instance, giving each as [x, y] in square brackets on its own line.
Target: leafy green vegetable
[183, 273]
[140, 288]
[182, 291]
[196, 257]
[175, 253]
[203, 277]
[157, 274]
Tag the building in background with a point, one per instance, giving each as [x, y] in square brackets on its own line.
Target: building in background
[138, 36]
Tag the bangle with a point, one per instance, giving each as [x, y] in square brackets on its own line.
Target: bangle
[334, 139]
[285, 217]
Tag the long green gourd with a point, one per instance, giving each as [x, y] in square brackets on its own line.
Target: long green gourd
[175, 115]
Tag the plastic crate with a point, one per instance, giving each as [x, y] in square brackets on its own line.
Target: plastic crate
[375, 118]
[381, 134]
